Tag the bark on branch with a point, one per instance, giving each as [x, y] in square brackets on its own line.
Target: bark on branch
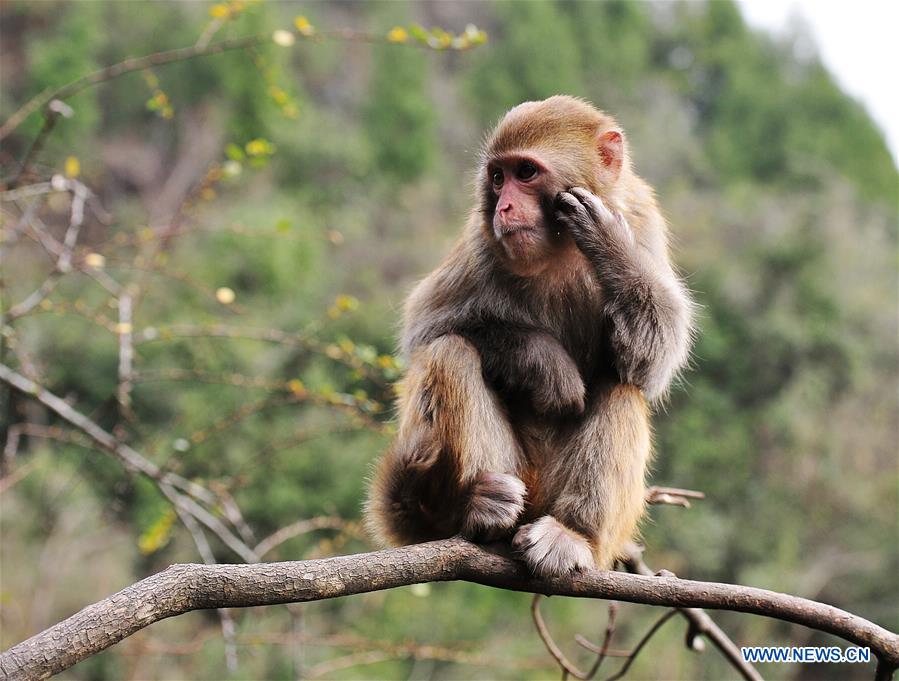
[186, 587]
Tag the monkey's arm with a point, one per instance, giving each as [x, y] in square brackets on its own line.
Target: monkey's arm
[647, 304]
[525, 359]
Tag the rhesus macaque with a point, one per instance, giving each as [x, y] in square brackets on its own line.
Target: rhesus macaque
[534, 351]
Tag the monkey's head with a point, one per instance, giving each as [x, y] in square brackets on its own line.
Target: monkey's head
[537, 150]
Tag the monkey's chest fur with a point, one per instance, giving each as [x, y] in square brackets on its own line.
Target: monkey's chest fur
[568, 310]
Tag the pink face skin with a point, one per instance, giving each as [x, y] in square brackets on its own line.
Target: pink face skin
[524, 185]
[519, 226]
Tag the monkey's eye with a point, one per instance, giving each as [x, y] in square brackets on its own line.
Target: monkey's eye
[497, 178]
[526, 170]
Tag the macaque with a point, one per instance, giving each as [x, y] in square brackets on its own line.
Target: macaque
[535, 351]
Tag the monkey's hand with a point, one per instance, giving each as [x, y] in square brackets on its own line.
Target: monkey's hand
[598, 231]
[552, 378]
[532, 362]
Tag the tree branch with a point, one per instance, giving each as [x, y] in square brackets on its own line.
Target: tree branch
[700, 624]
[183, 588]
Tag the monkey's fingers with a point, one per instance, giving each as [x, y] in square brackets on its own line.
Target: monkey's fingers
[594, 205]
[608, 221]
[572, 213]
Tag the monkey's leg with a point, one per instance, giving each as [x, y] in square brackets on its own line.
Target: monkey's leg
[596, 485]
[454, 465]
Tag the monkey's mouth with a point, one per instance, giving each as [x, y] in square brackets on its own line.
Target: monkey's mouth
[516, 232]
[519, 240]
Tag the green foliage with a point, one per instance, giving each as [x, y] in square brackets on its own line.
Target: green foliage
[515, 67]
[399, 117]
[614, 44]
[68, 51]
[770, 117]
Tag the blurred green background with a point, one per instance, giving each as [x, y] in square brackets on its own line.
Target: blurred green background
[782, 197]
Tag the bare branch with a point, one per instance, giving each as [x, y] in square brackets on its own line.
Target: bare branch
[346, 662]
[135, 64]
[126, 355]
[643, 641]
[302, 527]
[134, 461]
[672, 496]
[80, 194]
[700, 623]
[604, 651]
[184, 588]
[567, 666]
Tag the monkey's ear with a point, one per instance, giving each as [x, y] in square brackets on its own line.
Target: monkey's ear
[611, 155]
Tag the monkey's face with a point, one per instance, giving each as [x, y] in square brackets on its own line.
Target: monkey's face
[519, 197]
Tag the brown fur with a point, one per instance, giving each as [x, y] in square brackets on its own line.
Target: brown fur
[525, 401]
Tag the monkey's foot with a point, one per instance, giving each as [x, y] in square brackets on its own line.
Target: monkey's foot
[551, 550]
[496, 502]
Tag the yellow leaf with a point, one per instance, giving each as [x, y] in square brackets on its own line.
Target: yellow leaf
[158, 534]
[260, 147]
[219, 11]
[303, 25]
[345, 302]
[72, 167]
[296, 386]
[398, 34]
[277, 94]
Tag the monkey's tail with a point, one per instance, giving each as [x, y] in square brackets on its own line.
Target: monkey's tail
[403, 503]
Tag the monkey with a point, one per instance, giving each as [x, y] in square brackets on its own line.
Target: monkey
[536, 352]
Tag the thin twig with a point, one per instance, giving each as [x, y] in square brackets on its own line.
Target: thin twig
[134, 461]
[80, 193]
[567, 666]
[126, 355]
[649, 634]
[602, 652]
[121, 68]
[301, 527]
[35, 189]
[672, 496]
[346, 662]
[700, 623]
[54, 110]
[232, 512]
[180, 54]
